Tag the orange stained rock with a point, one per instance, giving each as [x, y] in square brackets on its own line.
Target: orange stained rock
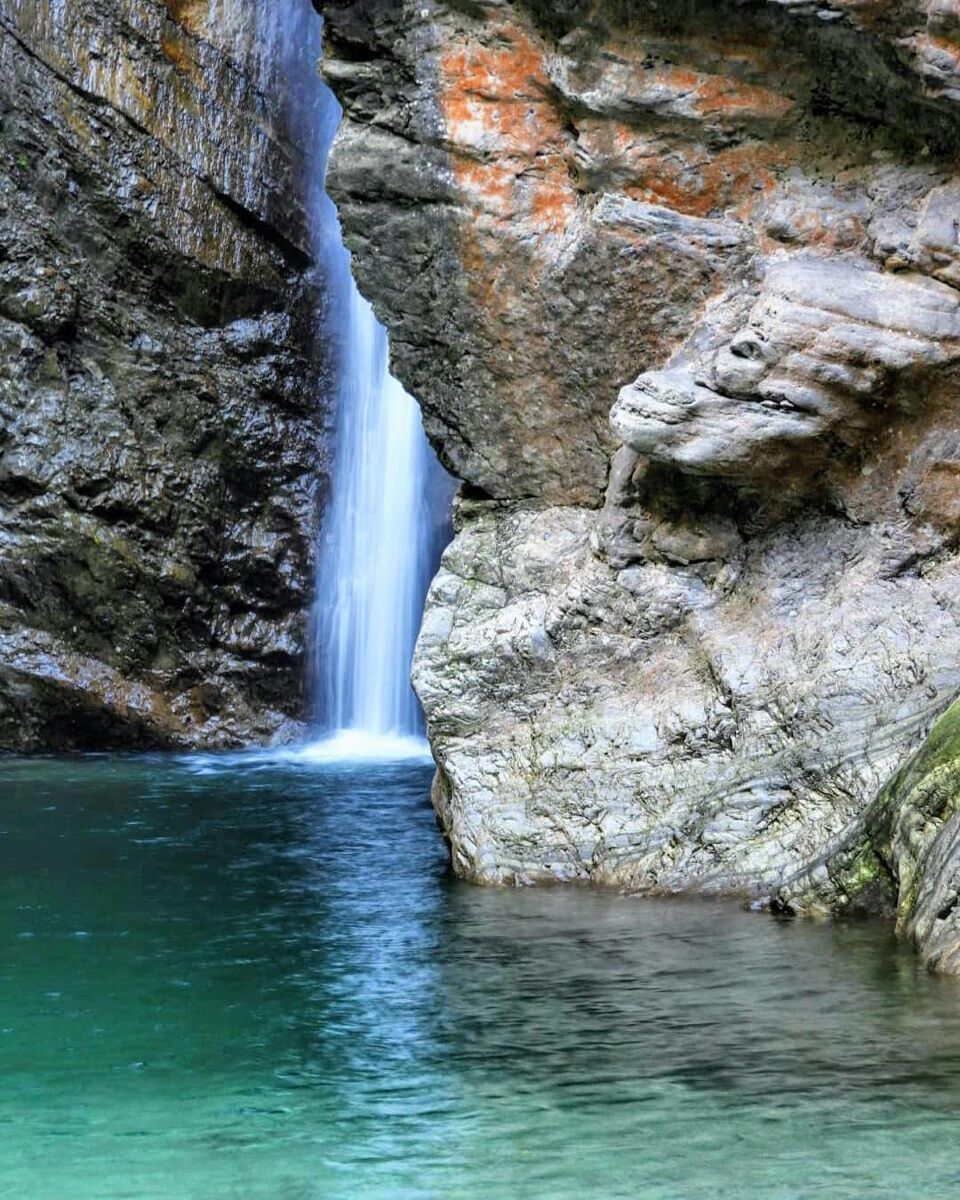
[188, 13]
[176, 52]
[495, 97]
[939, 43]
[478, 270]
[937, 495]
[504, 71]
[552, 206]
[698, 184]
[509, 147]
[539, 199]
[869, 14]
[934, 51]
[679, 80]
[499, 286]
[486, 185]
[720, 95]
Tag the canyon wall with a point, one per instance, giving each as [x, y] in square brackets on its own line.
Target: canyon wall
[159, 463]
[678, 288]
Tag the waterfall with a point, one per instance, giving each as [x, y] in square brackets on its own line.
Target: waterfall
[381, 537]
[376, 550]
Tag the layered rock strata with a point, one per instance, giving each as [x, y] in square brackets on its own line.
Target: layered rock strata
[158, 380]
[679, 290]
[903, 854]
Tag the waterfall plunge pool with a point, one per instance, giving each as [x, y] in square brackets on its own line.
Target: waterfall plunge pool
[243, 978]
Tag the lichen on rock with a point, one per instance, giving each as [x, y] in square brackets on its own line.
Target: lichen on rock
[902, 854]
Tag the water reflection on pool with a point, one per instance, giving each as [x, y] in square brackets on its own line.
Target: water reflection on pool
[247, 978]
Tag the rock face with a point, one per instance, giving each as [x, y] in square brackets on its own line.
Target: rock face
[679, 290]
[158, 380]
[707, 718]
[904, 853]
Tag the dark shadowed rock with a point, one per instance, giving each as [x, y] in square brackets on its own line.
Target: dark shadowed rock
[159, 429]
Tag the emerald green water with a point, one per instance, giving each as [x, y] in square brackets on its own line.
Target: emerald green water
[237, 978]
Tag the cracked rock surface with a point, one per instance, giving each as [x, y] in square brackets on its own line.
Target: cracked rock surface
[903, 853]
[158, 423]
[677, 287]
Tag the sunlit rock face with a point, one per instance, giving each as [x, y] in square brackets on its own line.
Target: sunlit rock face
[829, 353]
[677, 286]
[158, 459]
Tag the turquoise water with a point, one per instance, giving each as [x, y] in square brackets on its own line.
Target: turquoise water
[231, 978]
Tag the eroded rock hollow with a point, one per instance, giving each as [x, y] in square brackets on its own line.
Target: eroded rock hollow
[678, 287]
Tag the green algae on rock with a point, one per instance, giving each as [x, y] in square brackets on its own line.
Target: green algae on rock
[903, 856]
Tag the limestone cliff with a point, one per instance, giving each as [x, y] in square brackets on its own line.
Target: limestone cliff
[678, 288]
[903, 855]
[158, 378]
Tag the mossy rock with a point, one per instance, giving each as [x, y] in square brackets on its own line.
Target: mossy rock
[921, 805]
[904, 855]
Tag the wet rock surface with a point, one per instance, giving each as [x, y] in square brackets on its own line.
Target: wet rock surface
[902, 854]
[158, 416]
[678, 292]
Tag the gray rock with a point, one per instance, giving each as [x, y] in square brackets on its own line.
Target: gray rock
[651, 729]
[826, 348]
[159, 460]
[903, 854]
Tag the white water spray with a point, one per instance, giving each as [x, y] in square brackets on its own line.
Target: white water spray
[377, 551]
[385, 519]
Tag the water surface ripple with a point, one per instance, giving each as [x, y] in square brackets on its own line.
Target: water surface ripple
[243, 978]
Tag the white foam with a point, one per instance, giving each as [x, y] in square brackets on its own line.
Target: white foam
[346, 747]
[358, 745]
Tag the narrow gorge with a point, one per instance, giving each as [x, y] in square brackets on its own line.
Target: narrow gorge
[479, 599]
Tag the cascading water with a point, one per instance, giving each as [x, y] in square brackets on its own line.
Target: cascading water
[376, 554]
[380, 540]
